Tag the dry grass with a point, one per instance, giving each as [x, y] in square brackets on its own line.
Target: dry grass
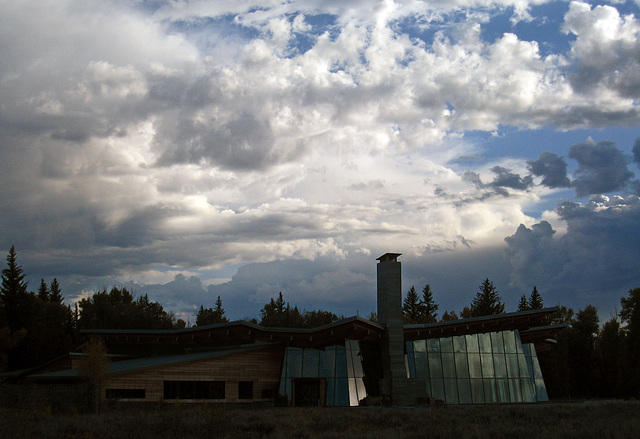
[580, 421]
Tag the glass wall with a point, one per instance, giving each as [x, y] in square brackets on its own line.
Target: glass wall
[338, 368]
[477, 368]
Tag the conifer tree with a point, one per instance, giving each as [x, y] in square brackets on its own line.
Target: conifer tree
[43, 291]
[429, 307]
[523, 305]
[411, 307]
[13, 293]
[449, 315]
[487, 301]
[55, 294]
[535, 300]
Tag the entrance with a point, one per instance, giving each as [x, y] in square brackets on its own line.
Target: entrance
[309, 392]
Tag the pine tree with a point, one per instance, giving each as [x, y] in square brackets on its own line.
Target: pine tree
[429, 307]
[449, 315]
[523, 305]
[43, 291]
[535, 301]
[487, 301]
[411, 307]
[13, 293]
[56, 295]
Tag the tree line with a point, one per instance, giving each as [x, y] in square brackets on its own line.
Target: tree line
[589, 360]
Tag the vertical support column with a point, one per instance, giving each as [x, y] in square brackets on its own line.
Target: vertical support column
[394, 381]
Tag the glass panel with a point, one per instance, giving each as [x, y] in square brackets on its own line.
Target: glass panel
[451, 391]
[310, 363]
[541, 390]
[283, 372]
[421, 365]
[353, 393]
[435, 366]
[433, 345]
[446, 344]
[357, 363]
[515, 391]
[462, 369]
[522, 366]
[341, 362]
[472, 343]
[349, 361]
[477, 391]
[327, 363]
[437, 389]
[487, 365]
[294, 362]
[331, 387]
[464, 391]
[341, 392]
[485, 342]
[503, 390]
[528, 393]
[490, 394]
[518, 342]
[362, 392]
[475, 368]
[448, 365]
[496, 342]
[512, 365]
[420, 346]
[410, 364]
[509, 342]
[459, 344]
[500, 366]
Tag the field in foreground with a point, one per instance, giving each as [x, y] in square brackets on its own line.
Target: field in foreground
[597, 420]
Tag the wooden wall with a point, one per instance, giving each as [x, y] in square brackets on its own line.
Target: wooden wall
[262, 367]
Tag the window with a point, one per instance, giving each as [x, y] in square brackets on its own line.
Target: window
[194, 390]
[125, 394]
[245, 390]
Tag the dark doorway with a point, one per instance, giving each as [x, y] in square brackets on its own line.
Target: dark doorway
[309, 392]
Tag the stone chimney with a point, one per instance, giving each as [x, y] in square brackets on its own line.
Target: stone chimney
[394, 381]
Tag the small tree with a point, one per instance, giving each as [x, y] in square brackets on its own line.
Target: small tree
[535, 300]
[523, 305]
[93, 368]
[487, 301]
[449, 315]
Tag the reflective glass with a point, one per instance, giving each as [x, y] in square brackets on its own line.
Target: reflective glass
[472, 343]
[357, 363]
[341, 395]
[331, 387]
[353, 392]
[503, 390]
[433, 345]
[294, 362]
[541, 390]
[475, 368]
[420, 346]
[485, 342]
[435, 366]
[518, 342]
[487, 365]
[341, 362]
[464, 392]
[499, 365]
[509, 342]
[451, 391]
[515, 390]
[422, 365]
[437, 389]
[349, 358]
[512, 365]
[410, 363]
[462, 368]
[362, 392]
[448, 365]
[490, 394]
[497, 344]
[459, 344]
[310, 363]
[522, 366]
[477, 391]
[446, 344]
[528, 393]
[327, 363]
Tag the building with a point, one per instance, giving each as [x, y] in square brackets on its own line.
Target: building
[469, 361]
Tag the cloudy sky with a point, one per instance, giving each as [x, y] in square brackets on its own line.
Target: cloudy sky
[190, 149]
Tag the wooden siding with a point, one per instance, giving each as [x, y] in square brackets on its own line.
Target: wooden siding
[262, 367]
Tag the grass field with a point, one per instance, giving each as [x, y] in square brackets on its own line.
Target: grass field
[580, 421]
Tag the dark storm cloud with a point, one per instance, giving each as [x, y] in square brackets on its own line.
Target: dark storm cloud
[596, 258]
[505, 178]
[602, 168]
[636, 151]
[552, 169]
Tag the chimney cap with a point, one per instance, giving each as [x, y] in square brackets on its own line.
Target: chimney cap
[389, 257]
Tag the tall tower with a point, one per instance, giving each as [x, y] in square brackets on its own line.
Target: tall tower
[394, 381]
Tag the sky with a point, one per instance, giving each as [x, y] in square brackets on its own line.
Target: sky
[193, 149]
